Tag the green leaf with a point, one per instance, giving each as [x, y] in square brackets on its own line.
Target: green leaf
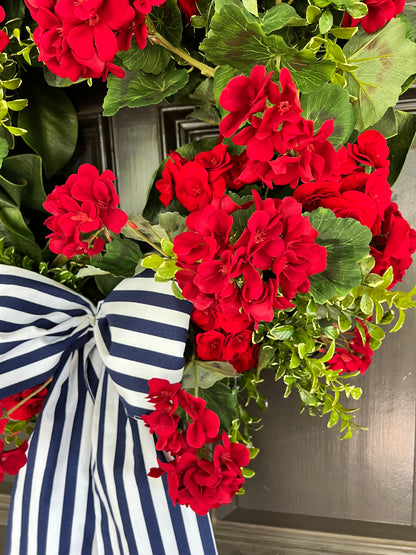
[344, 323]
[200, 373]
[376, 332]
[51, 123]
[220, 399]
[4, 149]
[343, 32]
[140, 89]
[247, 473]
[308, 73]
[172, 223]
[399, 145]
[266, 355]
[385, 59]
[387, 126]
[12, 84]
[15, 231]
[17, 105]
[366, 305]
[25, 170]
[166, 270]
[325, 21]
[54, 80]
[333, 419]
[238, 40]
[106, 283]
[222, 77]
[281, 15]
[281, 333]
[151, 59]
[313, 13]
[400, 321]
[120, 257]
[251, 6]
[331, 101]
[168, 21]
[152, 261]
[154, 58]
[357, 10]
[346, 242]
[89, 270]
[361, 331]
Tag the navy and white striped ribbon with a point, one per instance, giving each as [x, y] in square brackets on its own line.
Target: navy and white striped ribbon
[85, 488]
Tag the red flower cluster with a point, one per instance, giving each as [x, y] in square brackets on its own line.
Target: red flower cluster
[4, 37]
[379, 13]
[394, 245]
[354, 357]
[195, 183]
[80, 39]
[83, 207]
[13, 460]
[196, 478]
[362, 192]
[282, 147]
[236, 284]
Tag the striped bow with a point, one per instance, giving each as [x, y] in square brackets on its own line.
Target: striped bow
[139, 332]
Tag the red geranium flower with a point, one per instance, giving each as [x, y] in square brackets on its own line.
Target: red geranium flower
[81, 208]
[243, 96]
[4, 38]
[13, 460]
[379, 13]
[354, 357]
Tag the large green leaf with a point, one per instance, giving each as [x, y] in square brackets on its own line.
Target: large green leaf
[168, 21]
[238, 40]
[222, 77]
[201, 373]
[152, 59]
[120, 258]
[400, 144]
[51, 122]
[384, 59]
[220, 399]
[331, 101]
[24, 171]
[140, 89]
[387, 126]
[16, 233]
[308, 73]
[347, 243]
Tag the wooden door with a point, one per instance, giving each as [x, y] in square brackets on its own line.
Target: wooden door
[312, 493]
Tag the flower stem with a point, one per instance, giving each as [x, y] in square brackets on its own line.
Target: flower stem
[156, 38]
[132, 226]
[35, 392]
